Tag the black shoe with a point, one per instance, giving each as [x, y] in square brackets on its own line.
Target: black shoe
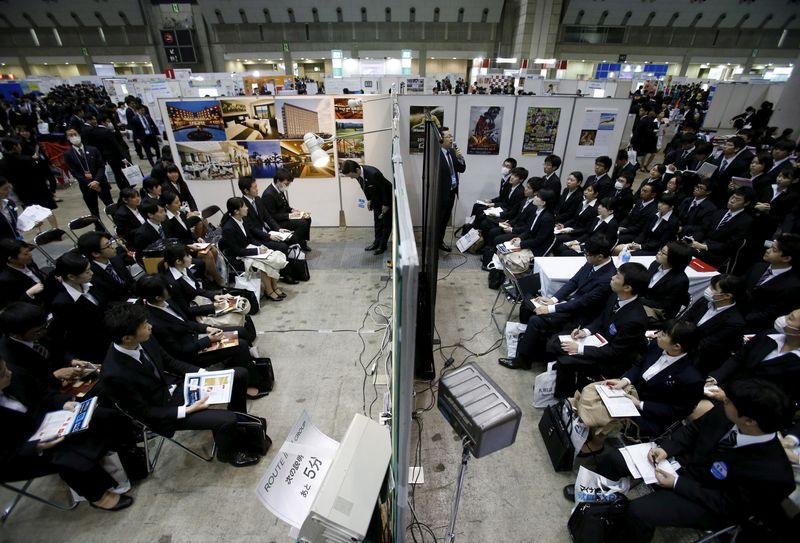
[569, 493]
[124, 502]
[305, 248]
[289, 280]
[590, 453]
[445, 248]
[260, 394]
[485, 267]
[380, 250]
[512, 363]
[239, 459]
[372, 246]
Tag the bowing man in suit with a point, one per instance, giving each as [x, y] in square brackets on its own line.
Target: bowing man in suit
[732, 466]
[138, 376]
[622, 323]
[110, 276]
[726, 229]
[694, 213]
[76, 458]
[773, 288]
[668, 288]
[667, 384]
[581, 297]
[658, 230]
[451, 164]
[20, 278]
[718, 320]
[78, 310]
[379, 194]
[276, 202]
[127, 217]
[8, 212]
[86, 164]
[145, 132]
[571, 198]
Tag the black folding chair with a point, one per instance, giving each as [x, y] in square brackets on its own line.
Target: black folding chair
[209, 212]
[85, 222]
[24, 492]
[49, 236]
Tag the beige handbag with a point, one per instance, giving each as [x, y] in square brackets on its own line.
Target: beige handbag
[594, 414]
[235, 317]
[518, 262]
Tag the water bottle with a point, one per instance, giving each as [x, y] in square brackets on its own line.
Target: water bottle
[625, 256]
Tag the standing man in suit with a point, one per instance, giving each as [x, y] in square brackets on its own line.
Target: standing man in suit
[87, 166]
[110, 276]
[130, 113]
[104, 140]
[622, 323]
[551, 180]
[726, 229]
[732, 466]
[451, 164]
[379, 194]
[145, 132]
[8, 212]
[276, 201]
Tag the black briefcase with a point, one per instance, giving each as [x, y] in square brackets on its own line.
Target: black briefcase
[496, 278]
[556, 436]
[597, 522]
[254, 434]
[264, 367]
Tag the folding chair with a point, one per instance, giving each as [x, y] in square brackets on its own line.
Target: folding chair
[513, 293]
[685, 305]
[46, 237]
[209, 212]
[85, 222]
[23, 491]
[731, 264]
[109, 210]
[549, 249]
[149, 435]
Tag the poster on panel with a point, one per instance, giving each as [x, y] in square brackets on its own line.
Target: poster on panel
[296, 117]
[541, 131]
[212, 160]
[415, 85]
[199, 120]
[349, 130]
[263, 157]
[416, 120]
[596, 134]
[485, 127]
[296, 159]
[249, 119]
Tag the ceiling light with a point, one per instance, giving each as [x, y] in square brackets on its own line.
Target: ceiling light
[256, 73]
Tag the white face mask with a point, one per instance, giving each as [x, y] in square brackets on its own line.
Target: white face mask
[708, 294]
[781, 326]
[619, 185]
[504, 171]
[75, 140]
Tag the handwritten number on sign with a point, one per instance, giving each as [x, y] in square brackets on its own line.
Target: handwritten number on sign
[314, 465]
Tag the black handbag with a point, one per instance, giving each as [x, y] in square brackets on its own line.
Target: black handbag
[298, 269]
[264, 367]
[254, 434]
[597, 522]
[496, 278]
[556, 436]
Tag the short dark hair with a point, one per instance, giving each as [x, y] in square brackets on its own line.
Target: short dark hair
[737, 141]
[635, 276]
[608, 203]
[550, 197]
[790, 171]
[622, 154]
[604, 161]
[661, 168]
[89, 242]
[679, 254]
[784, 145]
[747, 193]
[766, 160]
[729, 284]
[20, 317]
[124, 320]
[512, 161]
[597, 245]
[150, 287]
[149, 207]
[167, 197]
[790, 246]
[245, 182]
[704, 148]
[520, 173]
[70, 263]
[683, 332]
[150, 183]
[282, 174]
[554, 160]
[761, 400]
[10, 248]
[172, 253]
[172, 168]
[126, 193]
[687, 138]
[578, 176]
[350, 166]
[3, 181]
[668, 199]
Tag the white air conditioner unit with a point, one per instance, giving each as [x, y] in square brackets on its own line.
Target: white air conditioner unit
[343, 507]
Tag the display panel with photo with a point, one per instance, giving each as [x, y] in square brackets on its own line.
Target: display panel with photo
[297, 160]
[206, 161]
[296, 117]
[264, 157]
[541, 131]
[350, 141]
[486, 124]
[196, 120]
[416, 121]
[248, 119]
[343, 109]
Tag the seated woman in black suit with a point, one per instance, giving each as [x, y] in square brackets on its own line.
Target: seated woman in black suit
[539, 237]
[667, 385]
[237, 242]
[669, 287]
[184, 290]
[177, 227]
[127, 217]
[571, 198]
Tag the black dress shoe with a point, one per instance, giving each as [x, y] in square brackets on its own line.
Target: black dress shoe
[289, 280]
[260, 394]
[372, 246]
[569, 493]
[445, 248]
[512, 363]
[380, 250]
[485, 267]
[305, 248]
[239, 459]
[124, 502]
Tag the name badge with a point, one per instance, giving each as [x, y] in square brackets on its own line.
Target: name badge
[612, 329]
[719, 470]
[452, 180]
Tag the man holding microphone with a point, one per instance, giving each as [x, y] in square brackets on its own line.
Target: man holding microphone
[450, 165]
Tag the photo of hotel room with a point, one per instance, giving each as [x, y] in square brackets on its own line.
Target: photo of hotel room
[247, 120]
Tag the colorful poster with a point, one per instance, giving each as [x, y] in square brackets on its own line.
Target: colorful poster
[205, 161]
[199, 120]
[263, 157]
[416, 120]
[297, 160]
[350, 141]
[415, 85]
[485, 127]
[248, 119]
[297, 117]
[343, 109]
[541, 130]
[597, 133]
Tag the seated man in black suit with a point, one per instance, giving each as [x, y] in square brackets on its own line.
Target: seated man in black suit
[623, 168]
[502, 197]
[276, 202]
[20, 277]
[571, 198]
[640, 213]
[514, 203]
[773, 288]
[127, 216]
[152, 230]
[726, 229]
[604, 225]
[623, 197]
[550, 179]
[581, 297]
[138, 375]
[694, 213]
[519, 225]
[603, 182]
[110, 276]
[660, 228]
[732, 466]
[668, 288]
[584, 218]
[151, 189]
[719, 321]
[622, 323]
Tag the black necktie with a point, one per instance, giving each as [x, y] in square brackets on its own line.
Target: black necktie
[615, 308]
[148, 363]
[724, 220]
[112, 272]
[729, 441]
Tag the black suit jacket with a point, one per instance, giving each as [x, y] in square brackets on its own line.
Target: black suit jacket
[144, 236]
[568, 205]
[516, 199]
[628, 171]
[522, 222]
[582, 221]
[104, 140]
[277, 204]
[653, 240]
[757, 478]
[79, 325]
[624, 202]
[182, 191]
[459, 166]
[637, 218]
[8, 230]
[669, 293]
[377, 189]
[552, 183]
[606, 229]
[179, 337]
[27, 362]
[109, 288]
[234, 243]
[139, 391]
[539, 237]
[739, 166]
[778, 296]
[604, 184]
[723, 242]
[502, 196]
[694, 219]
[77, 165]
[138, 126]
[719, 336]
[126, 222]
[624, 331]
[586, 293]
[182, 294]
[174, 229]
[668, 396]
[13, 285]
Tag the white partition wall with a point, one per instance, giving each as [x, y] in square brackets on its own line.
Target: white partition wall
[731, 99]
[594, 115]
[533, 158]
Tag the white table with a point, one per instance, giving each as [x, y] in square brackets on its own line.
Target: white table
[555, 271]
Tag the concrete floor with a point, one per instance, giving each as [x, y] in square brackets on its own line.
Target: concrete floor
[512, 495]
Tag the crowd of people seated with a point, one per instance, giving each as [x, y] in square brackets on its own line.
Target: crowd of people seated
[728, 360]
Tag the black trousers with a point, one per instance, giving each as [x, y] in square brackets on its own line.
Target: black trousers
[150, 144]
[383, 225]
[532, 345]
[119, 177]
[445, 210]
[301, 229]
[573, 372]
[496, 237]
[90, 197]
[237, 357]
